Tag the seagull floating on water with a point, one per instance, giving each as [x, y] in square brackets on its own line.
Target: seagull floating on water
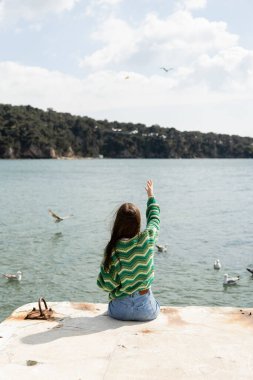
[16, 277]
[217, 264]
[161, 248]
[250, 270]
[58, 218]
[230, 280]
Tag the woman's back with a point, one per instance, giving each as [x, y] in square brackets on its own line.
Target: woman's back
[128, 266]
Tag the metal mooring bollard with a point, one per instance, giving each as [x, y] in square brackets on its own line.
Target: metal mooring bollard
[40, 314]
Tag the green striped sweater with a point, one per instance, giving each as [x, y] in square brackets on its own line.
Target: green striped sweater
[132, 265]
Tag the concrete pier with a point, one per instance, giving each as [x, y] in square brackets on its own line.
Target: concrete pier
[82, 343]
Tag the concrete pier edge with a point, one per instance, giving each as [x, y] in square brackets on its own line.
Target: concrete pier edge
[82, 342]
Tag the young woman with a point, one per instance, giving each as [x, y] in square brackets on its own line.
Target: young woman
[127, 270]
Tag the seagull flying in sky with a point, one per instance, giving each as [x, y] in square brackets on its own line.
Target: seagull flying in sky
[58, 218]
[166, 69]
[250, 270]
[16, 277]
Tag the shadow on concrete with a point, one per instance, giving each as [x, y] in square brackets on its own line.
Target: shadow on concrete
[70, 327]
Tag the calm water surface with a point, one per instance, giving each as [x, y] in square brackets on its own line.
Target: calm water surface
[206, 213]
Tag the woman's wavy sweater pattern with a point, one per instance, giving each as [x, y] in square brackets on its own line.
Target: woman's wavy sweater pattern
[132, 265]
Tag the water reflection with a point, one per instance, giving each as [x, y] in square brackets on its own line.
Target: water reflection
[56, 237]
[12, 283]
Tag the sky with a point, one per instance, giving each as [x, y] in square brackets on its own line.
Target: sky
[105, 59]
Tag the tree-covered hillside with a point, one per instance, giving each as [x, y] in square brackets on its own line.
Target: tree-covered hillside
[27, 132]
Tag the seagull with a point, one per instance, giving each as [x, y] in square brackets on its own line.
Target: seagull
[16, 277]
[161, 248]
[230, 280]
[58, 218]
[217, 264]
[167, 69]
[250, 270]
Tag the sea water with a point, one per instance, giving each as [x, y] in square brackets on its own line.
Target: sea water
[206, 213]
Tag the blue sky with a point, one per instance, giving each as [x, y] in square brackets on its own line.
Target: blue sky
[103, 59]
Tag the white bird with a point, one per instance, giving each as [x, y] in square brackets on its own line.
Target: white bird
[58, 218]
[161, 248]
[250, 270]
[217, 264]
[16, 277]
[230, 280]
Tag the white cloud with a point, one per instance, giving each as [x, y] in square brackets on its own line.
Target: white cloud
[185, 36]
[15, 10]
[180, 40]
[108, 2]
[229, 59]
[120, 43]
[1, 11]
[44, 88]
[94, 6]
[192, 4]
[212, 75]
[107, 94]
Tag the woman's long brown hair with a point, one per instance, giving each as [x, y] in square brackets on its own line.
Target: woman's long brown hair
[126, 225]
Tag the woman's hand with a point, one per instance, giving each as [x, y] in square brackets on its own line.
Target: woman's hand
[149, 188]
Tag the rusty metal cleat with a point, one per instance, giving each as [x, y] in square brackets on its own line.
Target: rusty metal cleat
[40, 314]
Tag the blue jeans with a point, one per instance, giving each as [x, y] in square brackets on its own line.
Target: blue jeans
[135, 307]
